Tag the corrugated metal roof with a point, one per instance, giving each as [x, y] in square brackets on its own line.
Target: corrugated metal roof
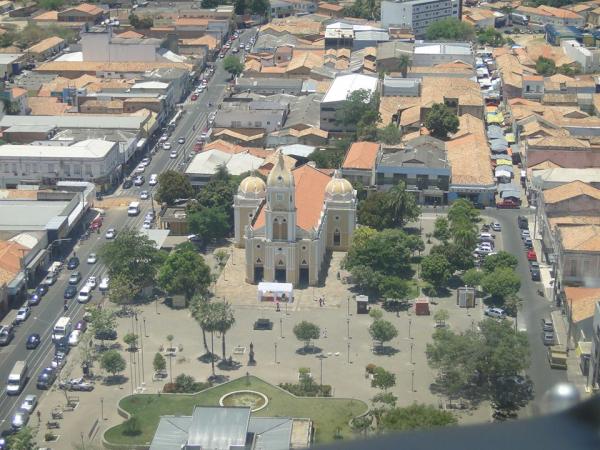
[218, 427]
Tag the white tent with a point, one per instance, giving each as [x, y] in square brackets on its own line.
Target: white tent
[275, 292]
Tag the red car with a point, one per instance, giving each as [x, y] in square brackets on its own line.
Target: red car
[531, 256]
[96, 223]
[508, 203]
[194, 97]
[198, 147]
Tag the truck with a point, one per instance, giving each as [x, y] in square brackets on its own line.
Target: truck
[519, 19]
[557, 358]
[61, 329]
[133, 209]
[17, 378]
[507, 204]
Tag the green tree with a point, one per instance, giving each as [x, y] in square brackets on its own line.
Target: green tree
[472, 277]
[382, 331]
[201, 312]
[260, 7]
[112, 362]
[122, 290]
[500, 259]
[402, 204]
[218, 193]
[21, 440]
[390, 134]
[233, 65]
[416, 417]
[209, 223]
[208, 4]
[131, 339]
[173, 185]
[441, 316]
[570, 69]
[359, 111]
[436, 270]
[450, 29]
[49, 5]
[545, 66]
[306, 332]
[375, 313]
[459, 256]
[501, 283]
[394, 288]
[239, 7]
[159, 363]
[184, 272]
[490, 36]
[404, 63]
[102, 321]
[383, 379]
[132, 426]
[133, 256]
[224, 320]
[374, 212]
[441, 230]
[440, 121]
[329, 158]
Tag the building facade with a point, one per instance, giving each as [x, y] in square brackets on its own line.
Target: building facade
[288, 224]
[417, 14]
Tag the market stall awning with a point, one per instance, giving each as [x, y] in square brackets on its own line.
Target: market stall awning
[498, 156]
[507, 190]
[275, 291]
[510, 138]
[503, 162]
[497, 118]
[494, 132]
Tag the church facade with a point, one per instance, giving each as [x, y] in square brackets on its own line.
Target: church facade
[287, 224]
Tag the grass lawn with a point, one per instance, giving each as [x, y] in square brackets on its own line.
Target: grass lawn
[327, 414]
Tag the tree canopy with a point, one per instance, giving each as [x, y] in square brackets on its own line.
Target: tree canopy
[545, 66]
[383, 379]
[173, 185]
[490, 36]
[469, 363]
[328, 158]
[112, 362]
[360, 111]
[184, 272]
[209, 223]
[390, 134]
[501, 283]
[133, 256]
[306, 332]
[233, 65]
[140, 24]
[450, 29]
[436, 270]
[440, 121]
[382, 331]
[381, 210]
[500, 259]
[415, 417]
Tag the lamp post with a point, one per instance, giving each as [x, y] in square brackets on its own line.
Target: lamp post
[145, 332]
[412, 344]
[321, 358]
[409, 327]
[412, 381]
[348, 327]
[281, 327]
[212, 351]
[348, 308]
[348, 352]
[275, 352]
[102, 407]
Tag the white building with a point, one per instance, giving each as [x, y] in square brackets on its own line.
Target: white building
[99, 44]
[417, 14]
[588, 57]
[428, 54]
[337, 94]
[206, 164]
[48, 162]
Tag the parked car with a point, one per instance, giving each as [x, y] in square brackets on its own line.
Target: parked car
[547, 325]
[7, 333]
[81, 326]
[74, 337]
[153, 180]
[70, 292]
[33, 341]
[522, 222]
[139, 180]
[194, 97]
[19, 420]
[531, 255]
[507, 204]
[548, 337]
[92, 258]
[111, 233]
[127, 183]
[76, 384]
[144, 195]
[528, 242]
[534, 270]
[497, 313]
[50, 279]
[104, 284]
[46, 378]
[106, 335]
[496, 226]
[75, 278]
[29, 403]
[167, 146]
[92, 282]
[73, 263]
[22, 314]
[34, 299]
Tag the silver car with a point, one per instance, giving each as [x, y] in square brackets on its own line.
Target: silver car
[19, 420]
[29, 403]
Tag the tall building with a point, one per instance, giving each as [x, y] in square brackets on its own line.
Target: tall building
[288, 224]
[417, 14]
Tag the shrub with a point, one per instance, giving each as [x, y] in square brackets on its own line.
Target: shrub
[371, 368]
[49, 437]
[185, 384]
[132, 426]
[307, 389]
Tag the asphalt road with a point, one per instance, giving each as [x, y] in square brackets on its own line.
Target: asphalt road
[535, 308]
[45, 314]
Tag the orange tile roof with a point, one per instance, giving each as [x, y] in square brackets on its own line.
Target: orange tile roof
[208, 40]
[47, 16]
[45, 44]
[191, 21]
[87, 8]
[361, 155]
[11, 254]
[570, 190]
[585, 238]
[330, 6]
[559, 12]
[130, 35]
[310, 186]
[582, 302]
[17, 92]
[575, 221]
[47, 106]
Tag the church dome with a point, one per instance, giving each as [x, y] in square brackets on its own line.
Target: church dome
[280, 176]
[252, 185]
[338, 186]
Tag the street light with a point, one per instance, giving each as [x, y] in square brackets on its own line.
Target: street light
[321, 358]
[348, 352]
[281, 327]
[348, 326]
[412, 380]
[276, 353]
[409, 326]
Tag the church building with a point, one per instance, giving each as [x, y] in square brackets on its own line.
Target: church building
[288, 224]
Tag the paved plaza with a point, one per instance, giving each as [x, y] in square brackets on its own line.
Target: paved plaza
[345, 344]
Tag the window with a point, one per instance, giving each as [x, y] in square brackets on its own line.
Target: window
[50, 167]
[77, 170]
[279, 196]
[572, 268]
[88, 170]
[257, 245]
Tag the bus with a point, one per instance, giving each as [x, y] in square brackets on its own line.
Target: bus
[61, 329]
[175, 120]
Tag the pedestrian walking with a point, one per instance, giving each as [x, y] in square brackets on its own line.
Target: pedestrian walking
[39, 416]
[325, 333]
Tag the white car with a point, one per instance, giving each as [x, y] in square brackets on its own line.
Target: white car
[19, 420]
[92, 282]
[167, 146]
[29, 403]
[147, 225]
[23, 314]
[111, 233]
[74, 337]
[497, 313]
[104, 284]
[181, 140]
[173, 154]
[144, 195]
[92, 258]
[140, 168]
[163, 138]
[496, 226]
[146, 161]
[248, 47]
[153, 180]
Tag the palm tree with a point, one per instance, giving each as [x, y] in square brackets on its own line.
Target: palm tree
[464, 233]
[224, 321]
[199, 309]
[404, 63]
[402, 203]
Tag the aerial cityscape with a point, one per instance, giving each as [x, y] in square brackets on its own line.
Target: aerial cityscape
[278, 224]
